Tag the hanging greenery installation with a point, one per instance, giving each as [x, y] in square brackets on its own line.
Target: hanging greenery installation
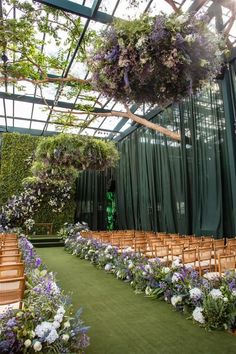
[157, 60]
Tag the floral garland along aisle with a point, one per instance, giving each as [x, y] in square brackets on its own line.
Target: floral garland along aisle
[211, 304]
[45, 324]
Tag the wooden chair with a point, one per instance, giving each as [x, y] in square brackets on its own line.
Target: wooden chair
[204, 261]
[220, 242]
[176, 251]
[9, 251]
[162, 253]
[226, 263]
[189, 257]
[11, 292]
[10, 245]
[223, 262]
[12, 270]
[10, 259]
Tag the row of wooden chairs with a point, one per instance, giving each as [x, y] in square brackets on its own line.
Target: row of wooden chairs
[12, 278]
[202, 253]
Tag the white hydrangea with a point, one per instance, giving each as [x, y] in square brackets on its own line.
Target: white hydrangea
[175, 300]
[47, 329]
[197, 315]
[58, 318]
[43, 328]
[108, 249]
[108, 267]
[195, 293]
[216, 294]
[175, 277]
[56, 324]
[52, 336]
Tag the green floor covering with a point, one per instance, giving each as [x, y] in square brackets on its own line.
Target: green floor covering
[124, 323]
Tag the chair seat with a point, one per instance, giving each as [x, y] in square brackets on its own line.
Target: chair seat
[4, 308]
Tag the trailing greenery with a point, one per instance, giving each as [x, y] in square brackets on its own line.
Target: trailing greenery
[15, 166]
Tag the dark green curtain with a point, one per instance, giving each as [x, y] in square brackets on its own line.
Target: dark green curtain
[91, 198]
[164, 185]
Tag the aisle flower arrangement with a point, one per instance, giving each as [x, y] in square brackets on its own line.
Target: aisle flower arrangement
[210, 304]
[45, 324]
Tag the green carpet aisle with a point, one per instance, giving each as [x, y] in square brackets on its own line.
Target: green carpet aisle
[124, 323]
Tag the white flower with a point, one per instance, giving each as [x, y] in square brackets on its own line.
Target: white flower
[175, 277]
[56, 324]
[118, 274]
[27, 343]
[128, 249]
[175, 300]
[225, 299]
[175, 263]
[234, 292]
[148, 268]
[190, 38]
[130, 265]
[37, 346]
[61, 310]
[108, 267]
[148, 290]
[195, 293]
[52, 336]
[108, 249]
[182, 18]
[58, 318]
[197, 315]
[216, 294]
[67, 324]
[165, 270]
[65, 337]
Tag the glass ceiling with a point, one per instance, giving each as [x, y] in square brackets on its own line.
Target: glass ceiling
[24, 111]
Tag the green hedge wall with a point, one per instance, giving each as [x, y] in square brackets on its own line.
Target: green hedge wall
[15, 149]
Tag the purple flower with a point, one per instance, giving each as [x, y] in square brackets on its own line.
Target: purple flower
[38, 262]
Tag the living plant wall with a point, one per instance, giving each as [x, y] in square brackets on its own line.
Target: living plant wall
[16, 150]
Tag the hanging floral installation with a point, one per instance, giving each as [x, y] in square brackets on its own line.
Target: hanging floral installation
[57, 161]
[156, 60]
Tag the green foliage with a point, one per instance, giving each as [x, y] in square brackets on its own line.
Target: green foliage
[79, 152]
[16, 149]
[20, 42]
[218, 313]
